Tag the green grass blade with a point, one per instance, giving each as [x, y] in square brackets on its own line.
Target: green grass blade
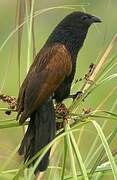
[98, 170]
[107, 149]
[110, 113]
[107, 68]
[104, 117]
[42, 152]
[11, 123]
[30, 35]
[79, 157]
[37, 13]
[101, 154]
[21, 15]
[92, 149]
[65, 157]
[93, 86]
[107, 79]
[71, 153]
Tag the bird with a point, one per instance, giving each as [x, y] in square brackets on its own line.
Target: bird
[49, 78]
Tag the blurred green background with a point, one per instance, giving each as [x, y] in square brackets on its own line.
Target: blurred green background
[96, 42]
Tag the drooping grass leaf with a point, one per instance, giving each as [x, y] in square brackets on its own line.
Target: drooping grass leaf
[101, 154]
[107, 149]
[79, 157]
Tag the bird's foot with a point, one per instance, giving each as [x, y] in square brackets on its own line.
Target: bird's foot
[78, 94]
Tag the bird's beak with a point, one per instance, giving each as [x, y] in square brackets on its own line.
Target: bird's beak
[95, 19]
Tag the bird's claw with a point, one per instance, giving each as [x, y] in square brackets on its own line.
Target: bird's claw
[78, 94]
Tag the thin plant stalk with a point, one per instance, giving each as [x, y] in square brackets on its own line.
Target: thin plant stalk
[30, 35]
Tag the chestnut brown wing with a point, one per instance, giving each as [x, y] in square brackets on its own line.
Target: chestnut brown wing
[48, 70]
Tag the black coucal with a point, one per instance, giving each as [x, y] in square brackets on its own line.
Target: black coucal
[50, 76]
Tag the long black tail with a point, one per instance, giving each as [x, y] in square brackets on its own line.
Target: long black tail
[40, 132]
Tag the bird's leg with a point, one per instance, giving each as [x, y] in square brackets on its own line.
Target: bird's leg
[73, 96]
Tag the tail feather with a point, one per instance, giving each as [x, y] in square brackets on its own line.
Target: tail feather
[28, 138]
[40, 132]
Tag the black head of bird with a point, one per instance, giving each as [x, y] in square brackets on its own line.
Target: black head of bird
[80, 19]
[72, 30]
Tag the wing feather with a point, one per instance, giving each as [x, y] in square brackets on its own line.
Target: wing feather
[49, 69]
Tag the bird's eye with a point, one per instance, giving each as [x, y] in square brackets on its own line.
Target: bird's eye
[84, 18]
